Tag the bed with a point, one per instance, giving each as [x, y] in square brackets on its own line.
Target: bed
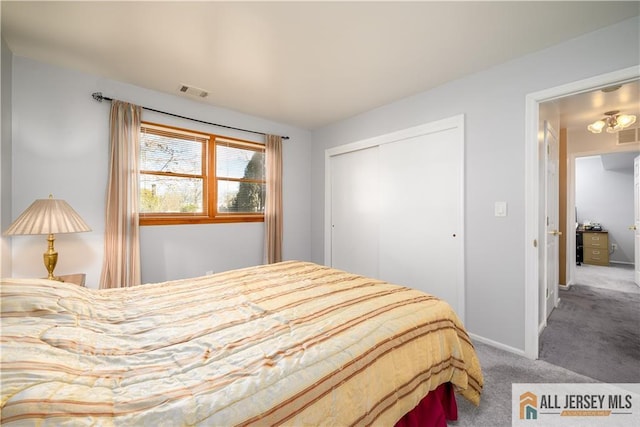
[292, 343]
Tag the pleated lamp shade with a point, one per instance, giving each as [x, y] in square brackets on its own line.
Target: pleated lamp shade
[48, 216]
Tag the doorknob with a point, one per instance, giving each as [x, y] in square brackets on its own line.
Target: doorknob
[556, 232]
[633, 227]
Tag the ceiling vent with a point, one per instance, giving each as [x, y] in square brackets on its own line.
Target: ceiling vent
[194, 91]
[629, 136]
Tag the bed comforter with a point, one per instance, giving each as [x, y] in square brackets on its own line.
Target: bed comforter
[292, 343]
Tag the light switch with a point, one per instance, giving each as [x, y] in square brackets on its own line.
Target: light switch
[500, 209]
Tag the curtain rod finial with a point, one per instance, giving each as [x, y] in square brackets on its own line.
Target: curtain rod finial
[97, 96]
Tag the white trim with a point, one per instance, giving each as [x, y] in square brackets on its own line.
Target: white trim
[462, 278]
[496, 344]
[532, 203]
[327, 208]
[541, 327]
[532, 188]
[454, 122]
[424, 129]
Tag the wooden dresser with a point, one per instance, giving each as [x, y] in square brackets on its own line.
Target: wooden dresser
[595, 246]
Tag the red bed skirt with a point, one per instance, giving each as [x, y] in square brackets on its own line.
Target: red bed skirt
[433, 410]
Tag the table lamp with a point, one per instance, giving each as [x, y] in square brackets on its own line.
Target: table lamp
[48, 216]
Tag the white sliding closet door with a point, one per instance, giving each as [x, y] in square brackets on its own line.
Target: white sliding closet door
[355, 211]
[395, 209]
[420, 242]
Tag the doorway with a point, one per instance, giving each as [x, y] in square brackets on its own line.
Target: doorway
[599, 194]
[601, 187]
[535, 193]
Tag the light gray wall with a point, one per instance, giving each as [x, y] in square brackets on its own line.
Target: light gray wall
[5, 158]
[60, 146]
[493, 103]
[606, 196]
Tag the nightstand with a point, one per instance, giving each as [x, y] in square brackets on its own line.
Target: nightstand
[77, 278]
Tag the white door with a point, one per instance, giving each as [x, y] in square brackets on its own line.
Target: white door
[636, 217]
[355, 211]
[552, 234]
[420, 182]
[395, 209]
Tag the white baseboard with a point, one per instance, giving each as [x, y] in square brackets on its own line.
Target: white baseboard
[620, 262]
[541, 327]
[497, 344]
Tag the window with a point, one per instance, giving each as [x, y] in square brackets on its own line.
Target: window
[190, 177]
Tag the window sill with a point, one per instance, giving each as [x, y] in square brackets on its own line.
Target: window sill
[221, 219]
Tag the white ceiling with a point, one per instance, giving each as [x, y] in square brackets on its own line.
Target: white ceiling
[306, 64]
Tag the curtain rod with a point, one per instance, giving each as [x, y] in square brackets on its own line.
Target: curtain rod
[98, 97]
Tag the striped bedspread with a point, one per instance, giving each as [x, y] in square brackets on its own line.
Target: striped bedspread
[292, 343]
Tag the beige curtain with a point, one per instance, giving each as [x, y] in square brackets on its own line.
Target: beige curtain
[273, 205]
[121, 266]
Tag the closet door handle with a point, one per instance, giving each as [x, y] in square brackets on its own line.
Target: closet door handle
[555, 233]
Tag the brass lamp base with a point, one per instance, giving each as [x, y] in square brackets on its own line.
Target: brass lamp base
[50, 258]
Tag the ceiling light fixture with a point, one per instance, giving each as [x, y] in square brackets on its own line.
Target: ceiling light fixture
[613, 122]
[611, 88]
